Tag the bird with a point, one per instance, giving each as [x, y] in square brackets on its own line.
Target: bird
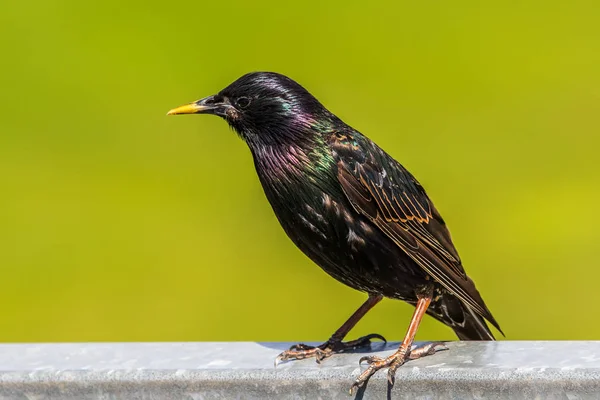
[355, 211]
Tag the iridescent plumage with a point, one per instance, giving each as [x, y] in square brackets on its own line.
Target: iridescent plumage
[350, 207]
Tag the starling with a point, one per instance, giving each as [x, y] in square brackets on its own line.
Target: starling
[354, 211]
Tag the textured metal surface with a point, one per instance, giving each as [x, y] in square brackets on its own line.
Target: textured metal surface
[473, 370]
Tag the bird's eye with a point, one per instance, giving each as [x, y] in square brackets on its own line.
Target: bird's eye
[243, 102]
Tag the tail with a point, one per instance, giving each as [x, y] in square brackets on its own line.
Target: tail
[467, 324]
[473, 328]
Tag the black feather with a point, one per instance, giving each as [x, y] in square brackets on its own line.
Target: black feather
[348, 205]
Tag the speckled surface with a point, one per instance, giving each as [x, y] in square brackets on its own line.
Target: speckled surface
[244, 370]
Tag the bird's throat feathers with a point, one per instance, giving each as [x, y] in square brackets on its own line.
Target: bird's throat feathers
[287, 162]
[295, 172]
[297, 147]
[292, 175]
[289, 127]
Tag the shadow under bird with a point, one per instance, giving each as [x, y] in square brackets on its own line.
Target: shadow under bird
[353, 210]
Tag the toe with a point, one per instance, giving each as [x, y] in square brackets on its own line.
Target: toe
[374, 336]
[320, 355]
[427, 350]
[355, 386]
[364, 341]
[362, 379]
[391, 374]
[369, 360]
[291, 355]
[279, 359]
[300, 347]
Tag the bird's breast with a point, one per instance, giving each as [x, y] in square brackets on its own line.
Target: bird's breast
[317, 217]
[306, 202]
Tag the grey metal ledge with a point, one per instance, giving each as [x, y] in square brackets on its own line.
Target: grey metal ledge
[244, 370]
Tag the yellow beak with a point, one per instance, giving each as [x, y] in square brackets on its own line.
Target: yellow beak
[192, 108]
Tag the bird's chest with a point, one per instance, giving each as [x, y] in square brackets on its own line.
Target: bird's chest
[309, 203]
[317, 217]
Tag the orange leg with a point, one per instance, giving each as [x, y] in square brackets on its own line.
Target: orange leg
[404, 352]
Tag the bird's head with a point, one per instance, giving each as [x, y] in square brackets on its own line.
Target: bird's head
[264, 108]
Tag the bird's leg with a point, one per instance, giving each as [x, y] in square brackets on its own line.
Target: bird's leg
[335, 344]
[404, 352]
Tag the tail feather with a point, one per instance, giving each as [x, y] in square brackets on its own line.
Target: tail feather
[473, 328]
[466, 323]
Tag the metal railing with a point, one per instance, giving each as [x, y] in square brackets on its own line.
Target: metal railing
[244, 370]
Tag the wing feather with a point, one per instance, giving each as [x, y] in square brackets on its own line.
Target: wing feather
[381, 189]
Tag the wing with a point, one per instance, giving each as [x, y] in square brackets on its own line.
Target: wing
[384, 191]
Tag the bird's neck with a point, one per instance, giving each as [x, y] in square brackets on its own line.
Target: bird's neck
[286, 161]
[297, 148]
[293, 175]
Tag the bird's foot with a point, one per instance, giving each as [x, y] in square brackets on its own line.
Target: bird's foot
[393, 362]
[321, 352]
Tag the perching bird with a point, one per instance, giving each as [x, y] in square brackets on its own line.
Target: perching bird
[353, 210]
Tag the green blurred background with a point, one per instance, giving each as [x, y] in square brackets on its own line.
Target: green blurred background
[120, 224]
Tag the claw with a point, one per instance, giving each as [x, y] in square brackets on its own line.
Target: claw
[364, 341]
[391, 376]
[283, 356]
[393, 362]
[280, 358]
[427, 350]
[375, 336]
[377, 363]
[369, 359]
[332, 346]
[320, 355]
[354, 388]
